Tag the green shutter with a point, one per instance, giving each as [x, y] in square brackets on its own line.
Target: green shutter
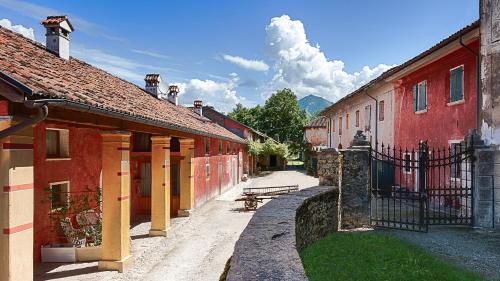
[415, 98]
[456, 84]
[423, 96]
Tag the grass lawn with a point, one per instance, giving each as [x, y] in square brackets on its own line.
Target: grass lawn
[369, 256]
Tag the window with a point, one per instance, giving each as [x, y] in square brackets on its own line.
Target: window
[207, 171]
[207, 146]
[333, 124]
[420, 96]
[142, 142]
[57, 143]
[457, 84]
[407, 163]
[357, 118]
[59, 195]
[368, 117]
[234, 148]
[381, 109]
[220, 147]
[347, 121]
[340, 125]
[228, 148]
[456, 160]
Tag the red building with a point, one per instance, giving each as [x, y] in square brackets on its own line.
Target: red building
[436, 92]
[70, 132]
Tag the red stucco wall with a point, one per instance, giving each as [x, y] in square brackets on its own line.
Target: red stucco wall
[441, 122]
[82, 170]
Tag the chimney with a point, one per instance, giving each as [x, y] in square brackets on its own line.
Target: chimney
[153, 86]
[57, 36]
[198, 107]
[173, 90]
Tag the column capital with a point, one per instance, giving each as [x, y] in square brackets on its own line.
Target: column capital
[187, 142]
[113, 135]
[160, 139]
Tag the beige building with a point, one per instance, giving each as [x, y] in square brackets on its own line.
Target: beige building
[369, 109]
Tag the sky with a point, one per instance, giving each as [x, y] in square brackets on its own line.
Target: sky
[228, 52]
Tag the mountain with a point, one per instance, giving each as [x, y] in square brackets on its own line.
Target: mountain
[312, 104]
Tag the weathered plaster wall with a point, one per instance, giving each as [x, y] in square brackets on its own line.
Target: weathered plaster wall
[82, 171]
[268, 247]
[360, 101]
[441, 122]
[490, 70]
[316, 136]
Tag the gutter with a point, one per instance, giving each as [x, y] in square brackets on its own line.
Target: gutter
[478, 83]
[43, 111]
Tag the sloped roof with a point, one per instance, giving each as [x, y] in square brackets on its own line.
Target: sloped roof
[318, 122]
[49, 76]
[394, 70]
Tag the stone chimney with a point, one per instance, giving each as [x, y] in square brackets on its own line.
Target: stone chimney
[173, 92]
[198, 107]
[153, 86]
[57, 36]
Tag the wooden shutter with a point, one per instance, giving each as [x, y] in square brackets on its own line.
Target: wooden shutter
[381, 112]
[456, 84]
[415, 95]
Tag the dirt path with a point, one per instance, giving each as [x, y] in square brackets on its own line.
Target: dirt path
[198, 248]
[476, 249]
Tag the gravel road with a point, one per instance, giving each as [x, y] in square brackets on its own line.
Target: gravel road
[198, 248]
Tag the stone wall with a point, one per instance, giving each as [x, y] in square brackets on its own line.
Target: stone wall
[267, 248]
[328, 167]
[487, 187]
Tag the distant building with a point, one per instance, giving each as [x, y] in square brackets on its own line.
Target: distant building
[316, 138]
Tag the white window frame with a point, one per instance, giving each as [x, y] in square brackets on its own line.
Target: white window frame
[404, 163]
[452, 143]
[426, 96]
[463, 87]
[68, 157]
[67, 194]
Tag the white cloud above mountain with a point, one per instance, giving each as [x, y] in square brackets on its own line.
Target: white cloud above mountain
[257, 65]
[304, 68]
[27, 32]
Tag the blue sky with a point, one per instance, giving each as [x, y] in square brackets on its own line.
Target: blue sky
[241, 51]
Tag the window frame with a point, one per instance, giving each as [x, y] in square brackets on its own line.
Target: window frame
[356, 123]
[51, 185]
[60, 144]
[207, 146]
[381, 111]
[416, 109]
[463, 86]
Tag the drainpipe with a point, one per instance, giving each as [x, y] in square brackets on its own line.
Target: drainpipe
[478, 83]
[43, 111]
[376, 118]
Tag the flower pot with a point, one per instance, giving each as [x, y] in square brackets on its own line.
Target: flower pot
[58, 253]
[86, 254]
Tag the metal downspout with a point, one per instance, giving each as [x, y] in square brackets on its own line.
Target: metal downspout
[478, 83]
[42, 113]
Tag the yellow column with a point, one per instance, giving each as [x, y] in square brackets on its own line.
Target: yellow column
[116, 202]
[160, 186]
[186, 177]
[16, 205]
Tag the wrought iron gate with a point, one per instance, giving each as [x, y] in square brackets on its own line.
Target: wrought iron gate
[412, 189]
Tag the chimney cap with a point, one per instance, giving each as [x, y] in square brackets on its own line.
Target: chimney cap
[198, 103]
[152, 77]
[173, 89]
[57, 21]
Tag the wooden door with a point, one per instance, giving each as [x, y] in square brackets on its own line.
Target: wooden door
[174, 189]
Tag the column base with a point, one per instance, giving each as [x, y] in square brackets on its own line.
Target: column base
[155, 232]
[184, 213]
[120, 266]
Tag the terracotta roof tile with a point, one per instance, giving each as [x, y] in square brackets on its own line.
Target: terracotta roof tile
[318, 122]
[47, 75]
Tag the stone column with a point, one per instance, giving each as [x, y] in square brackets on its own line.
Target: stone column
[160, 186]
[116, 202]
[490, 71]
[16, 204]
[186, 177]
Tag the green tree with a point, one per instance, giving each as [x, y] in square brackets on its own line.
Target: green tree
[282, 119]
[248, 116]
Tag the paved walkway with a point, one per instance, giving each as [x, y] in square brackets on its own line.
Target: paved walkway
[475, 249]
[198, 249]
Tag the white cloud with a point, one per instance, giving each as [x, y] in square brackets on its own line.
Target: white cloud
[221, 95]
[304, 68]
[256, 65]
[151, 54]
[27, 32]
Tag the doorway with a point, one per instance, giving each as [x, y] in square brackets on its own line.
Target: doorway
[174, 189]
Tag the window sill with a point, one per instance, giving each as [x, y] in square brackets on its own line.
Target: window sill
[421, 111]
[456, 102]
[57, 159]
